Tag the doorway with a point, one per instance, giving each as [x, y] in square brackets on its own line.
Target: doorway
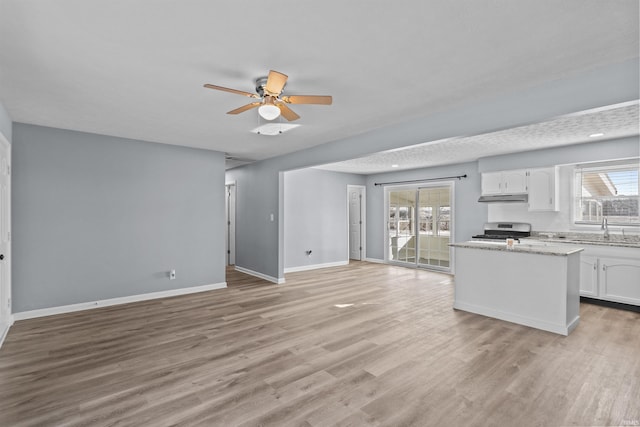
[230, 213]
[356, 206]
[5, 236]
[420, 226]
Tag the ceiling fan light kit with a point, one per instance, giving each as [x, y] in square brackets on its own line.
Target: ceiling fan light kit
[272, 105]
[268, 110]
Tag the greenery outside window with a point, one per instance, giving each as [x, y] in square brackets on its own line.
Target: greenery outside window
[607, 190]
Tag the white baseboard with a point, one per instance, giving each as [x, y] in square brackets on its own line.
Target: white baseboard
[259, 275]
[315, 266]
[562, 329]
[572, 325]
[4, 329]
[114, 301]
[375, 260]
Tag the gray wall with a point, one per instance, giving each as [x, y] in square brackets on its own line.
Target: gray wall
[97, 217]
[315, 216]
[561, 220]
[5, 123]
[260, 243]
[257, 190]
[469, 215]
[569, 154]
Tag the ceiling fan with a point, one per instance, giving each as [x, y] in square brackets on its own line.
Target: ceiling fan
[272, 104]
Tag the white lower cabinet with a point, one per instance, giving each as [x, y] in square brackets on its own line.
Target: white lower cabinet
[610, 273]
[620, 280]
[588, 276]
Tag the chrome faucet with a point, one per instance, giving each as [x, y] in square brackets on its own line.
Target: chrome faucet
[605, 227]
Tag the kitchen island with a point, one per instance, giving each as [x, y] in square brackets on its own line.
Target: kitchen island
[535, 285]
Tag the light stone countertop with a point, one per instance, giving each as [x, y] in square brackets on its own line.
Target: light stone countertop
[574, 238]
[537, 248]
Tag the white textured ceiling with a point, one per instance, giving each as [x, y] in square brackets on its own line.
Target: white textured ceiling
[135, 68]
[613, 122]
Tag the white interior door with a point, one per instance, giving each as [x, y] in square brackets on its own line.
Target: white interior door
[230, 235]
[5, 236]
[355, 222]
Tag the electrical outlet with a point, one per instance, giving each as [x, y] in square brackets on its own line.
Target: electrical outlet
[172, 274]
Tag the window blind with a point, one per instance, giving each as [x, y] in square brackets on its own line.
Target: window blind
[607, 190]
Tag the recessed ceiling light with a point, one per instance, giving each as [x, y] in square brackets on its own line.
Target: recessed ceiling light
[394, 166]
[595, 135]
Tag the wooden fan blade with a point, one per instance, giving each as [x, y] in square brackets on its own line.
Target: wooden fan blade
[307, 99]
[287, 112]
[226, 89]
[275, 83]
[244, 108]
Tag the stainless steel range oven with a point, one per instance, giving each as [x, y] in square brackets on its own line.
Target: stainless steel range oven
[504, 230]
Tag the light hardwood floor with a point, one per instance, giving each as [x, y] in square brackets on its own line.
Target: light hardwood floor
[264, 354]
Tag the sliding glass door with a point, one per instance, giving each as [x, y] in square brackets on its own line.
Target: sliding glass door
[402, 237]
[419, 224]
[435, 226]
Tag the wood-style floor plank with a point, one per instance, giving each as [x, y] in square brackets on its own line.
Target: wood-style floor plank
[258, 354]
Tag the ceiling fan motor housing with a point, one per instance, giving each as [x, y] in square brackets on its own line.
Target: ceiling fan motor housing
[270, 104]
[261, 82]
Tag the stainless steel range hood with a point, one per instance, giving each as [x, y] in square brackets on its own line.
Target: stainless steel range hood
[505, 198]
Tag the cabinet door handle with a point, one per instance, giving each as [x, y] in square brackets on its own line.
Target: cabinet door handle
[604, 267]
[550, 200]
[595, 267]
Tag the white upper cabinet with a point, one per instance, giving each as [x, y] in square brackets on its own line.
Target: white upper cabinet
[492, 183]
[543, 189]
[515, 182]
[540, 184]
[505, 182]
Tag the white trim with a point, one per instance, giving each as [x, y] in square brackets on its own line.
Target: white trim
[561, 329]
[363, 219]
[5, 330]
[316, 266]
[271, 279]
[230, 222]
[451, 184]
[115, 301]
[6, 320]
[376, 260]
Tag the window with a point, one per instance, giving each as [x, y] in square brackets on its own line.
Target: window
[444, 220]
[426, 219]
[607, 190]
